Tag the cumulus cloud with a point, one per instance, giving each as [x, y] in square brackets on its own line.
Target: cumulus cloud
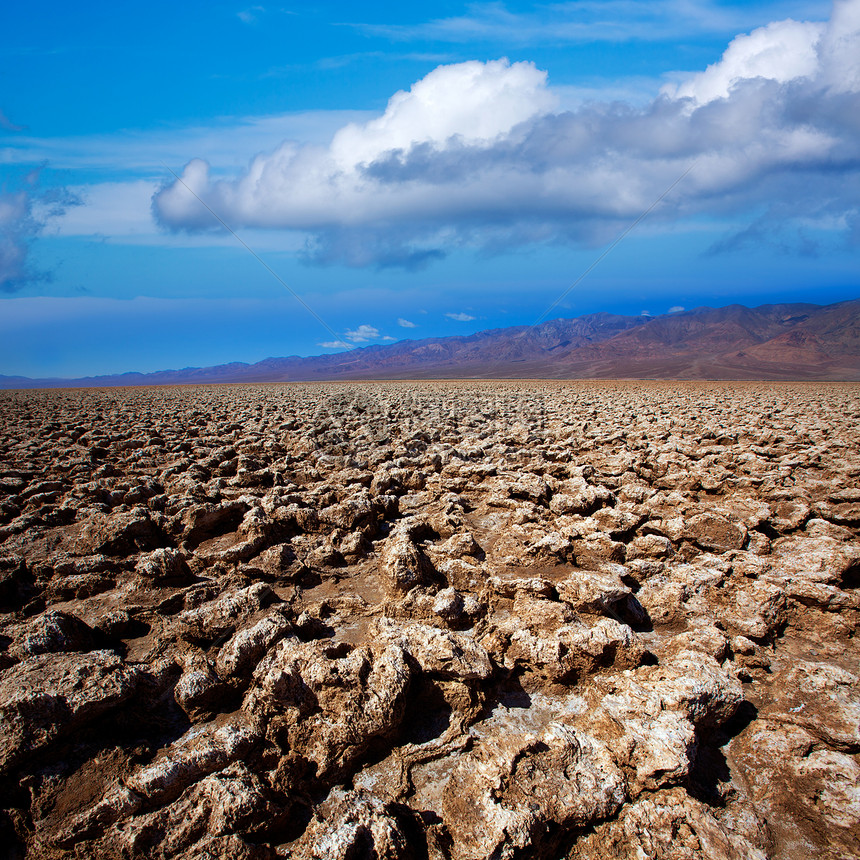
[478, 156]
[783, 51]
[474, 103]
[460, 317]
[676, 309]
[406, 323]
[23, 216]
[362, 334]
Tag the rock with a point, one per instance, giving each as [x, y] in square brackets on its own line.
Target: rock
[193, 756]
[207, 821]
[405, 565]
[671, 824]
[120, 534]
[546, 645]
[818, 559]
[222, 616]
[16, 583]
[515, 586]
[822, 699]
[200, 522]
[756, 612]
[200, 752]
[597, 549]
[709, 640]
[449, 604]
[500, 797]
[241, 653]
[617, 522]
[457, 610]
[278, 561]
[353, 824]
[164, 566]
[439, 653]
[662, 710]
[52, 632]
[715, 532]
[115, 624]
[199, 689]
[460, 545]
[79, 586]
[832, 779]
[49, 696]
[798, 789]
[354, 546]
[355, 512]
[649, 546]
[530, 487]
[578, 497]
[600, 593]
[553, 546]
[326, 703]
[789, 514]
[742, 645]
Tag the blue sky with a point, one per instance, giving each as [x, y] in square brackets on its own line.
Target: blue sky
[410, 172]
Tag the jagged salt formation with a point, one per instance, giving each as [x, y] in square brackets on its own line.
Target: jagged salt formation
[441, 620]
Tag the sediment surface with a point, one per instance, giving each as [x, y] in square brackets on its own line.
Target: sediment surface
[431, 620]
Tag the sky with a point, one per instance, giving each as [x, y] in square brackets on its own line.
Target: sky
[197, 183]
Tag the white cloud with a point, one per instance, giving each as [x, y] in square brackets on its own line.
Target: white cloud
[782, 51]
[334, 344]
[477, 155]
[120, 208]
[24, 214]
[406, 323]
[16, 227]
[476, 102]
[460, 317]
[676, 309]
[840, 57]
[111, 209]
[362, 334]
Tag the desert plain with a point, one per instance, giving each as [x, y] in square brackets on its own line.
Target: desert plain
[465, 620]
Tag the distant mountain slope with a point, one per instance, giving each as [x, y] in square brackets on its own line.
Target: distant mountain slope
[780, 341]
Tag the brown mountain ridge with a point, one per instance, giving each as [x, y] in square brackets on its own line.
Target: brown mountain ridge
[778, 341]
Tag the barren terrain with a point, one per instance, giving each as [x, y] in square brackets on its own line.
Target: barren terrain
[458, 620]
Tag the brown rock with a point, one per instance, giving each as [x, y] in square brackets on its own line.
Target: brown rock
[714, 532]
[49, 696]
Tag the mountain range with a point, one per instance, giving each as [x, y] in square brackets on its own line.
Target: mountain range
[796, 341]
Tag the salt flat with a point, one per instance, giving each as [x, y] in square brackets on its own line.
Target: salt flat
[431, 619]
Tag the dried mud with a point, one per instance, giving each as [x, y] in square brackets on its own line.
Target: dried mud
[431, 620]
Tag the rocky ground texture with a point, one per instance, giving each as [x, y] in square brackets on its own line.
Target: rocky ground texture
[457, 620]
